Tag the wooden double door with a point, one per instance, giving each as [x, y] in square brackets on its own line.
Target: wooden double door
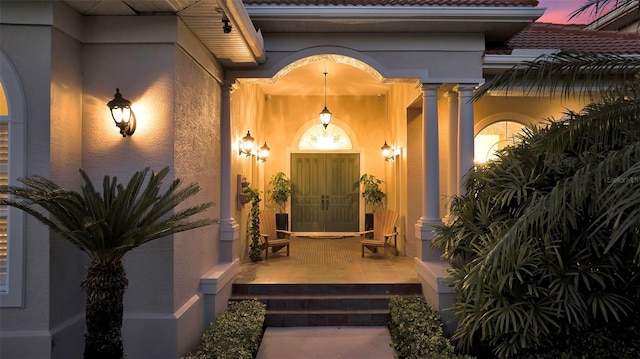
[326, 192]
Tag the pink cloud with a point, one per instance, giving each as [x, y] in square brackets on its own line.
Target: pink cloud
[558, 11]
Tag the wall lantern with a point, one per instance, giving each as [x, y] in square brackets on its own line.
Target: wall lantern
[247, 145]
[390, 153]
[122, 115]
[263, 153]
[325, 114]
[387, 152]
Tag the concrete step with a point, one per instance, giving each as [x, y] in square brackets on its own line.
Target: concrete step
[299, 305]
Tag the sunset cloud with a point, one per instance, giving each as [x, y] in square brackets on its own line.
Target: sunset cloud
[558, 11]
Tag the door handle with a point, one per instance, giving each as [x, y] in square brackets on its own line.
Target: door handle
[322, 203]
[326, 203]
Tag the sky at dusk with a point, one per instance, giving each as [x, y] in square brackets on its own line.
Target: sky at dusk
[558, 11]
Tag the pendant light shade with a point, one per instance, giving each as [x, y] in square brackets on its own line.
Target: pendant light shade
[325, 114]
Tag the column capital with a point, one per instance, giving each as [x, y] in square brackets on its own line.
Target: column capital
[461, 88]
[430, 87]
[451, 95]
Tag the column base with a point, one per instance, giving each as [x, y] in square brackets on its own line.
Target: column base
[434, 275]
[216, 286]
[424, 231]
[229, 246]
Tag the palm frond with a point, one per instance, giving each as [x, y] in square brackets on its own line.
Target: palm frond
[109, 224]
[571, 73]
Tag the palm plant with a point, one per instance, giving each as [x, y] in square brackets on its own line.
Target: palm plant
[545, 245]
[106, 226]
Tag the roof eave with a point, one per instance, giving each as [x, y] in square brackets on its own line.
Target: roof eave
[397, 12]
[240, 18]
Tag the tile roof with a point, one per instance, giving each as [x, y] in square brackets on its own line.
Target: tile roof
[570, 37]
[395, 2]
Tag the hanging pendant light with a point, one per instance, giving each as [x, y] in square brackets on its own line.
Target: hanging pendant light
[325, 114]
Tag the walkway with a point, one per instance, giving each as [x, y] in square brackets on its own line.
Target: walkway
[326, 343]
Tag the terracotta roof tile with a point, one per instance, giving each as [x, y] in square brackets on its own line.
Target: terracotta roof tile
[395, 2]
[572, 37]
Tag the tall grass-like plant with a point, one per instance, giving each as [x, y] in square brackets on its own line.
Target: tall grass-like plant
[107, 225]
[545, 243]
[545, 247]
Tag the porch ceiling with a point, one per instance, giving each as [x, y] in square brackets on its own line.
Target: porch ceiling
[342, 80]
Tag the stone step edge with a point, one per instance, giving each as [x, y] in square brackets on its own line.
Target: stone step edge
[328, 311]
[314, 297]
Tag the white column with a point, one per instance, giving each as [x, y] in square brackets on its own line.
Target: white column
[430, 172]
[465, 131]
[229, 228]
[453, 178]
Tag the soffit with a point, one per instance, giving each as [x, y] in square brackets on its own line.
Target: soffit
[202, 17]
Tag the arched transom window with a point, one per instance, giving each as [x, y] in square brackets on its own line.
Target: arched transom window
[495, 137]
[319, 138]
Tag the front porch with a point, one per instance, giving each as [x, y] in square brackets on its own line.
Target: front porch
[328, 260]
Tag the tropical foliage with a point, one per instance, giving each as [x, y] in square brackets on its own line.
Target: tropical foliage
[281, 190]
[371, 191]
[253, 227]
[545, 245]
[107, 226]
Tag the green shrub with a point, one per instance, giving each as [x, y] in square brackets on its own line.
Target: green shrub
[235, 334]
[416, 330]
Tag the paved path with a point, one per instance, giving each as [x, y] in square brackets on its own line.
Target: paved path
[326, 343]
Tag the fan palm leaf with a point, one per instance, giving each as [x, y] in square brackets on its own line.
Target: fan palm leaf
[568, 72]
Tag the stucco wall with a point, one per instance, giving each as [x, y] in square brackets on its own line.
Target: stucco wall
[197, 159]
[68, 264]
[145, 77]
[247, 114]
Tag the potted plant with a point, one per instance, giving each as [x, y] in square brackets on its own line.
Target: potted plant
[280, 192]
[373, 197]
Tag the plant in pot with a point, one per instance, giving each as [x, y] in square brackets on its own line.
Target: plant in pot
[373, 197]
[280, 192]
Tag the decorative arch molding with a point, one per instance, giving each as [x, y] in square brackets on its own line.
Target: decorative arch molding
[355, 146]
[503, 116]
[337, 54]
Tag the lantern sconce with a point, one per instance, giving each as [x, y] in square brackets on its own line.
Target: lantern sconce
[246, 145]
[263, 153]
[389, 153]
[122, 114]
